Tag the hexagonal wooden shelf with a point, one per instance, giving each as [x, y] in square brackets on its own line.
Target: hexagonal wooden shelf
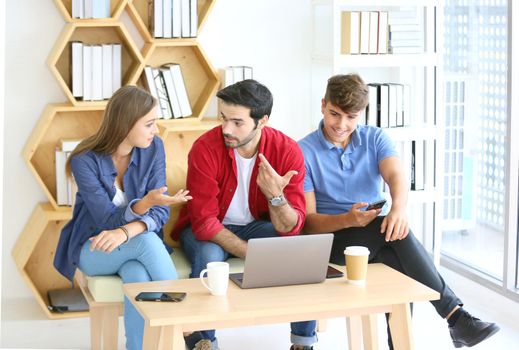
[65, 8]
[138, 11]
[200, 78]
[34, 252]
[57, 122]
[93, 32]
[178, 139]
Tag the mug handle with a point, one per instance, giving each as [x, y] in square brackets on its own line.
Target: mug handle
[202, 279]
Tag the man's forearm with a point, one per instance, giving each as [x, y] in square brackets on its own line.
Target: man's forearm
[231, 243]
[324, 223]
[284, 218]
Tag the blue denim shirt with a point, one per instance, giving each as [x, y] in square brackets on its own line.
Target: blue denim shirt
[94, 211]
[340, 177]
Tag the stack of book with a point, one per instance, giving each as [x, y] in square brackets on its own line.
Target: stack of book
[234, 74]
[90, 8]
[65, 187]
[364, 32]
[173, 18]
[389, 105]
[166, 84]
[406, 33]
[412, 156]
[96, 70]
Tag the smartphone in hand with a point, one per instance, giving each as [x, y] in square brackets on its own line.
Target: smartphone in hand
[376, 205]
[161, 296]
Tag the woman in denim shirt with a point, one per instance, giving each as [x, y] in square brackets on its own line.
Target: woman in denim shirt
[121, 203]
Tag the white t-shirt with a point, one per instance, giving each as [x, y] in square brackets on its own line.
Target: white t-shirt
[238, 212]
[120, 198]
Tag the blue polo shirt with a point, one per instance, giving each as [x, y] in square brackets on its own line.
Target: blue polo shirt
[341, 177]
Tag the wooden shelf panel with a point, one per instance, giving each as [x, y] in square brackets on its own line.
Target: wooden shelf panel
[57, 122]
[65, 8]
[200, 78]
[138, 11]
[177, 143]
[60, 60]
[34, 253]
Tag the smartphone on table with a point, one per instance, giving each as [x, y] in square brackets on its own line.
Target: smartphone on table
[161, 296]
[376, 205]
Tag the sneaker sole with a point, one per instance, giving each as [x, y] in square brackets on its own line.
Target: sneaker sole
[485, 334]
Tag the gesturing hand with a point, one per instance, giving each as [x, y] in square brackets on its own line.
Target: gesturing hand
[107, 240]
[157, 197]
[269, 181]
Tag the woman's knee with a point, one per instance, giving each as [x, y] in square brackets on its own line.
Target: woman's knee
[133, 271]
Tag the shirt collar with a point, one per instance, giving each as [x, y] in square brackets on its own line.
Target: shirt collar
[107, 164]
[354, 143]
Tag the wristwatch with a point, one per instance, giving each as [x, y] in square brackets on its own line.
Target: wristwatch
[278, 201]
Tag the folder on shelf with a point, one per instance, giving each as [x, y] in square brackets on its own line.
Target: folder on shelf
[116, 67]
[167, 21]
[162, 94]
[155, 19]
[176, 19]
[418, 165]
[77, 69]
[373, 106]
[172, 94]
[149, 82]
[383, 32]
[364, 31]
[87, 73]
[185, 9]
[193, 18]
[180, 88]
[373, 32]
[97, 72]
[107, 71]
[350, 32]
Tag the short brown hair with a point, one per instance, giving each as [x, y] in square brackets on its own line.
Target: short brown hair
[348, 92]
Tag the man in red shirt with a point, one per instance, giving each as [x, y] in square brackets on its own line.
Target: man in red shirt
[246, 180]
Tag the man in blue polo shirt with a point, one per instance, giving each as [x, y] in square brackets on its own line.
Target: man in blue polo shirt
[345, 166]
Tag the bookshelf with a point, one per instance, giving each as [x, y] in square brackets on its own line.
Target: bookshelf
[35, 248]
[417, 70]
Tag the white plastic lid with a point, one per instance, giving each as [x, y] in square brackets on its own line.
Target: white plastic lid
[356, 250]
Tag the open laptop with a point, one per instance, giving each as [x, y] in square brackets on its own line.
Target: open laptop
[283, 261]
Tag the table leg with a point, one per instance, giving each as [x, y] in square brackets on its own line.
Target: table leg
[354, 330]
[151, 337]
[401, 328]
[370, 332]
[178, 338]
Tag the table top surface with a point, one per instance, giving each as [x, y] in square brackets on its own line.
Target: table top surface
[384, 286]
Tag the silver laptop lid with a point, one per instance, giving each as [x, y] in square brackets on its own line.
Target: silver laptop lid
[281, 261]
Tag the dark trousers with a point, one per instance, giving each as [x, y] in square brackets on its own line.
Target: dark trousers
[407, 256]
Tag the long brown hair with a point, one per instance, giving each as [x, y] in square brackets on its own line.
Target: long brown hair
[126, 106]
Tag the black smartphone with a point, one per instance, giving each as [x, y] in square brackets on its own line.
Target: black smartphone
[376, 205]
[333, 272]
[161, 296]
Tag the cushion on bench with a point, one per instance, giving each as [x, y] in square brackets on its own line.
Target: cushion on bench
[110, 288]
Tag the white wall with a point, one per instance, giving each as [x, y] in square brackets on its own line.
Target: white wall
[272, 36]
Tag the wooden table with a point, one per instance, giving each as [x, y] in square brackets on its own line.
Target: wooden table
[386, 290]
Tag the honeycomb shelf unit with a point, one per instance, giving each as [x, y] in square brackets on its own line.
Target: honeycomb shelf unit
[65, 8]
[34, 250]
[57, 122]
[138, 11]
[93, 32]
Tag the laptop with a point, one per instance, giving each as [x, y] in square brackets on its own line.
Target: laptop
[283, 261]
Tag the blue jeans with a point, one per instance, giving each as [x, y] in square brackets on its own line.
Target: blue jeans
[144, 258]
[202, 252]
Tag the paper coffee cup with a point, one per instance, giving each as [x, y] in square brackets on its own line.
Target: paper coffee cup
[356, 264]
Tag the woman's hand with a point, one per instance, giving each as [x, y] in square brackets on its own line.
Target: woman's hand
[157, 197]
[107, 240]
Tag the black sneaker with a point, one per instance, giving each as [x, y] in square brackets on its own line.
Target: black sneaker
[305, 347]
[469, 331]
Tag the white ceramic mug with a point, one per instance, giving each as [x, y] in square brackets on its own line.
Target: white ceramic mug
[217, 277]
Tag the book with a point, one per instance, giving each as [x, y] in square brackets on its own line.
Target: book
[350, 32]
[107, 71]
[373, 32]
[176, 19]
[392, 105]
[373, 105]
[156, 20]
[185, 18]
[87, 73]
[68, 145]
[77, 69]
[116, 67]
[384, 106]
[417, 183]
[167, 22]
[247, 72]
[170, 89]
[78, 9]
[97, 72]
[61, 178]
[89, 8]
[162, 94]
[193, 18]
[383, 32]
[180, 88]
[100, 8]
[149, 83]
[406, 110]
[364, 31]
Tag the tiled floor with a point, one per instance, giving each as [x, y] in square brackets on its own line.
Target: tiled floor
[24, 326]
